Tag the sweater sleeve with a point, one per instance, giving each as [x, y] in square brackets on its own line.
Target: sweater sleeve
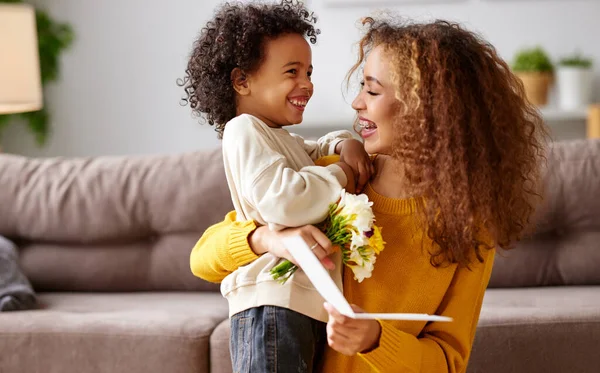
[324, 145]
[442, 346]
[282, 196]
[222, 249]
[289, 198]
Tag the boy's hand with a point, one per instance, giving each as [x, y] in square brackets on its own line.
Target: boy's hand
[351, 184]
[352, 152]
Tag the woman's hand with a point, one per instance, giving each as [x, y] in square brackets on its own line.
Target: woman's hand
[263, 240]
[350, 336]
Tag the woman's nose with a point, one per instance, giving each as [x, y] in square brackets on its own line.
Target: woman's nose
[358, 103]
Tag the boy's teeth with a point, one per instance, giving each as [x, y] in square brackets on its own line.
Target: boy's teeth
[298, 103]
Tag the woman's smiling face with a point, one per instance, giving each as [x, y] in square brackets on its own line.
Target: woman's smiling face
[376, 104]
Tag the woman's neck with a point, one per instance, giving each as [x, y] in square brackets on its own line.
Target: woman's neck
[389, 180]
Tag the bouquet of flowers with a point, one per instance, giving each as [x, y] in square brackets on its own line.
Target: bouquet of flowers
[349, 226]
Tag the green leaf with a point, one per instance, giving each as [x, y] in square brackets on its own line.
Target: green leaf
[532, 60]
[38, 123]
[576, 60]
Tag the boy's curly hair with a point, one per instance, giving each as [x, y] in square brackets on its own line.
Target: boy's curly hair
[469, 141]
[235, 38]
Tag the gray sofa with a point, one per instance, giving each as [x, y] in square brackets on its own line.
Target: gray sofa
[106, 242]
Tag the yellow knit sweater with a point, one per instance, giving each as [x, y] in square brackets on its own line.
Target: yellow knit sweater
[403, 281]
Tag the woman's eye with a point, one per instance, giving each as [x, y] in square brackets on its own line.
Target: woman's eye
[292, 71]
[362, 84]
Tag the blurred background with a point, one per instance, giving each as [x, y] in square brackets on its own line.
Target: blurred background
[116, 91]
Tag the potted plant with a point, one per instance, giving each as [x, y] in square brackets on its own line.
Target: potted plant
[53, 38]
[574, 77]
[534, 68]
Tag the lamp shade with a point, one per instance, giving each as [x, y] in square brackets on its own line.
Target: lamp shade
[20, 80]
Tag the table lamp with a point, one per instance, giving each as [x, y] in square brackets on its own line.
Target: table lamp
[20, 80]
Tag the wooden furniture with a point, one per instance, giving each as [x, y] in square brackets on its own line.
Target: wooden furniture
[593, 122]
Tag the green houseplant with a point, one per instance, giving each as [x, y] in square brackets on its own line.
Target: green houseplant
[535, 69]
[575, 60]
[53, 38]
[575, 78]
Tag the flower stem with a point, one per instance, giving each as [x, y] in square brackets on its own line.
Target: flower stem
[282, 271]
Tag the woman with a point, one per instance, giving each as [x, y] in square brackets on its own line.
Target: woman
[456, 169]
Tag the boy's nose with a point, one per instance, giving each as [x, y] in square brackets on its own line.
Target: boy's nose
[307, 85]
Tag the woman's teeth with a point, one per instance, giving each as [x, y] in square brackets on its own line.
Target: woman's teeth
[367, 125]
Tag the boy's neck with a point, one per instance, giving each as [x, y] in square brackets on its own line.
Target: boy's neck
[241, 110]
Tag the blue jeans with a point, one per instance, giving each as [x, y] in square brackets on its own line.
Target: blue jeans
[272, 339]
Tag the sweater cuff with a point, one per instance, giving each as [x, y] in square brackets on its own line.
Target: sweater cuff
[239, 248]
[396, 348]
[332, 146]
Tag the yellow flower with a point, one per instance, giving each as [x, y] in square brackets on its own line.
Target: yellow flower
[376, 241]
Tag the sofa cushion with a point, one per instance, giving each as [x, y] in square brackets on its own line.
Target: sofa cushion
[550, 330]
[97, 333]
[95, 212]
[565, 249]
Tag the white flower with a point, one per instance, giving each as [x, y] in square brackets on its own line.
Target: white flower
[356, 258]
[361, 260]
[358, 206]
[368, 255]
[356, 212]
[358, 240]
[362, 272]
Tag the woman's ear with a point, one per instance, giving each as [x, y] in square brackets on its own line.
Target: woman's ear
[239, 79]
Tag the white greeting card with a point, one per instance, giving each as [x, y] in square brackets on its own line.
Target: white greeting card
[326, 287]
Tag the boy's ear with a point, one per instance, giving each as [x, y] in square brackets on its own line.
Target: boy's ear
[239, 80]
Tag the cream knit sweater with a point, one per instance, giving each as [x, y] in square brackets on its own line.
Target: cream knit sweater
[273, 181]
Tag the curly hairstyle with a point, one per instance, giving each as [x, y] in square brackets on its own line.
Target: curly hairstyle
[468, 140]
[235, 38]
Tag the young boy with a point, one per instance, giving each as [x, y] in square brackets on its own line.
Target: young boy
[249, 76]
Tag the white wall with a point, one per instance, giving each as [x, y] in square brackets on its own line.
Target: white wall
[117, 94]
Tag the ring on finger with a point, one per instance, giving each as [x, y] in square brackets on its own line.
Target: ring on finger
[314, 246]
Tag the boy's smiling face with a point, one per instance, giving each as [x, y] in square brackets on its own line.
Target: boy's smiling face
[278, 91]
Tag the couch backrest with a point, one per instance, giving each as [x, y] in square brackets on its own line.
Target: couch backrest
[565, 249]
[111, 223]
[129, 223]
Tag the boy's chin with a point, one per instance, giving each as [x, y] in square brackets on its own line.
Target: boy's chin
[294, 121]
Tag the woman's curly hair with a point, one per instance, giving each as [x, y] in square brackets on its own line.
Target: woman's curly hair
[235, 38]
[469, 142]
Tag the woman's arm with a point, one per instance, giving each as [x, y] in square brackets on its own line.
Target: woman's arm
[230, 244]
[441, 347]
[222, 249]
